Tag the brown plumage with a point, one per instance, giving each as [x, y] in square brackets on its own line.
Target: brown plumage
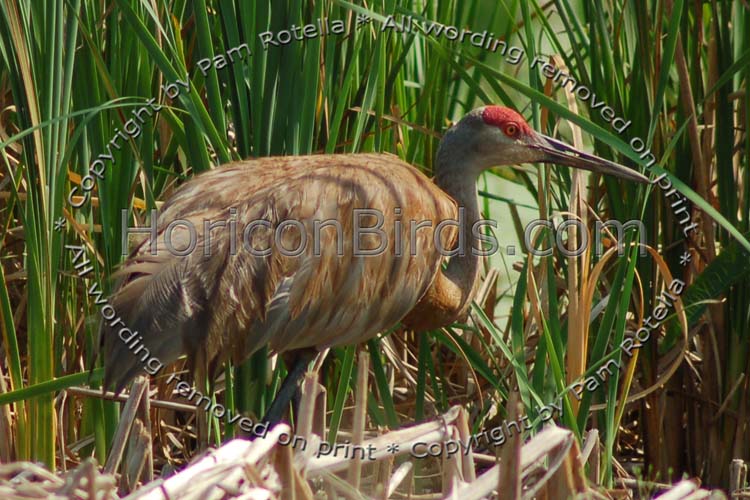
[205, 299]
[218, 303]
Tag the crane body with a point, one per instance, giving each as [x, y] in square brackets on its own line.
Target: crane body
[314, 285]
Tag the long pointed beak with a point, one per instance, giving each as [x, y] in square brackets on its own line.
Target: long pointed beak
[558, 152]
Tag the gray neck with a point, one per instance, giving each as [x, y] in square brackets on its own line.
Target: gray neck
[456, 175]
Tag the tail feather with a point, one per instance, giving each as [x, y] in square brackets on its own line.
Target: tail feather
[160, 304]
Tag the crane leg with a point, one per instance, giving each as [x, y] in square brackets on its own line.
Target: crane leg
[297, 365]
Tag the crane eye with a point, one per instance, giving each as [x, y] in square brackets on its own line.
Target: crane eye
[511, 130]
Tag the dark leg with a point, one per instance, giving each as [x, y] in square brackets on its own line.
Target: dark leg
[297, 365]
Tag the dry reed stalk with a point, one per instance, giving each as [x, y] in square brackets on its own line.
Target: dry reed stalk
[360, 414]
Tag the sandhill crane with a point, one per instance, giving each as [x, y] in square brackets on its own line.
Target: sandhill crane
[223, 301]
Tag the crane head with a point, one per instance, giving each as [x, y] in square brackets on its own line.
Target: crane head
[496, 135]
